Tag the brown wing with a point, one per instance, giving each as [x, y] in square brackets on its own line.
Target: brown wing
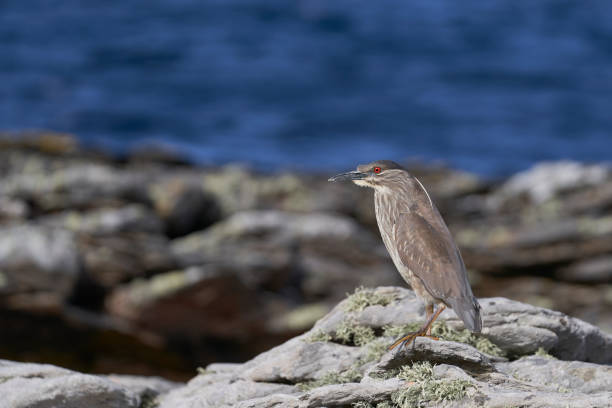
[429, 251]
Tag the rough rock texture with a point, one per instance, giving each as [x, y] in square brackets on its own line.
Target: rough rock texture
[316, 371]
[25, 385]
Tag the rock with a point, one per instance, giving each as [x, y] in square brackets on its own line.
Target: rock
[52, 184]
[439, 352]
[238, 189]
[184, 206]
[38, 259]
[545, 180]
[596, 270]
[146, 388]
[90, 342]
[107, 221]
[227, 392]
[314, 370]
[113, 259]
[560, 375]
[170, 302]
[298, 360]
[12, 209]
[519, 329]
[328, 255]
[24, 385]
[341, 395]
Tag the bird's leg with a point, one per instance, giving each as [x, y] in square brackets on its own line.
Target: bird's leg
[429, 310]
[423, 331]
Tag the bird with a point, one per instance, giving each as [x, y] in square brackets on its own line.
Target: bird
[419, 243]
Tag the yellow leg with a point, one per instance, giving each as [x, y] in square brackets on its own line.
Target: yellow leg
[423, 331]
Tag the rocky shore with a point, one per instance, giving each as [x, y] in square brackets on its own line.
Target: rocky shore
[526, 356]
[148, 265]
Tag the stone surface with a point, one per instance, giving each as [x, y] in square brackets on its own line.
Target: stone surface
[298, 360]
[305, 372]
[25, 385]
[38, 259]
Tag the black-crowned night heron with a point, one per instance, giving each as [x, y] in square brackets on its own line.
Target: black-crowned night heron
[419, 243]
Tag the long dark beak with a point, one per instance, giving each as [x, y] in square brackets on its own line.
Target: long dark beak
[351, 175]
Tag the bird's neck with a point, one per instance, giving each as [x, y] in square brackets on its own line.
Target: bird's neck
[389, 203]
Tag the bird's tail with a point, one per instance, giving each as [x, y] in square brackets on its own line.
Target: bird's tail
[469, 311]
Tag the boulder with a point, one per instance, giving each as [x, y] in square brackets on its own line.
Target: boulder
[325, 367]
[184, 205]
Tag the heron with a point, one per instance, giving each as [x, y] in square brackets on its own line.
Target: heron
[419, 243]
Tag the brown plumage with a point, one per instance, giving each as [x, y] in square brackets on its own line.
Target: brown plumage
[419, 242]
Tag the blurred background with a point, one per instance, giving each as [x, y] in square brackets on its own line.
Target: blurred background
[163, 165]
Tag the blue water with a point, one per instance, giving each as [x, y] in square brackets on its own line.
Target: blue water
[488, 86]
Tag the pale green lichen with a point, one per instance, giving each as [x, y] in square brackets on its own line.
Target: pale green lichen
[332, 377]
[318, 335]
[418, 372]
[542, 352]
[364, 297]
[375, 350]
[400, 330]
[348, 332]
[203, 371]
[421, 387]
[424, 387]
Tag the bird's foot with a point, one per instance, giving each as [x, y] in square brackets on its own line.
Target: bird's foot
[410, 337]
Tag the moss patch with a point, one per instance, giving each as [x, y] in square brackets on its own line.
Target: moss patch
[364, 297]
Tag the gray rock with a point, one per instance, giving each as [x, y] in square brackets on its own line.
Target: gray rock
[341, 395]
[113, 259]
[12, 209]
[558, 375]
[145, 387]
[272, 401]
[438, 352]
[107, 221]
[596, 270]
[35, 258]
[515, 327]
[545, 180]
[298, 360]
[24, 385]
[520, 329]
[170, 302]
[184, 206]
[201, 393]
[329, 254]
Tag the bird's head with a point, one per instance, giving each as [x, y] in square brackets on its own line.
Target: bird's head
[379, 174]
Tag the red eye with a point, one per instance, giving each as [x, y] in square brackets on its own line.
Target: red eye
[377, 170]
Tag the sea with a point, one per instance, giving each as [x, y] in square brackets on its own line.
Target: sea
[491, 87]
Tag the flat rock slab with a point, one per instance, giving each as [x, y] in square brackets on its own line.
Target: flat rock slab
[436, 352]
[299, 360]
[24, 385]
[560, 375]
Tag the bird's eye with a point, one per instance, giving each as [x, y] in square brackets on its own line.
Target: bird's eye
[377, 170]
